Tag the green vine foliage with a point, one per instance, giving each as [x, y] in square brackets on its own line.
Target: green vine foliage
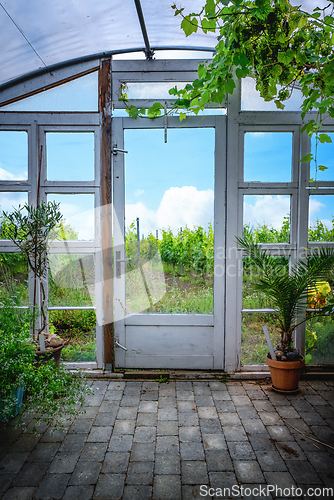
[281, 46]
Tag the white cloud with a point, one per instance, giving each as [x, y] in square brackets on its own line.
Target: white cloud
[82, 222]
[267, 209]
[139, 192]
[179, 207]
[8, 176]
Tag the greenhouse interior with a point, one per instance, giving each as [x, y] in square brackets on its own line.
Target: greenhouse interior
[144, 269]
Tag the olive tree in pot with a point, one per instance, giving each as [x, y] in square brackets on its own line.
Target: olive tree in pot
[29, 227]
[288, 292]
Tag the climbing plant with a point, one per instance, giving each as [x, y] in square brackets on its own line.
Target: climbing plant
[280, 46]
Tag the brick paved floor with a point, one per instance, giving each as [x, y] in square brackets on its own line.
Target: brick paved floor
[143, 440]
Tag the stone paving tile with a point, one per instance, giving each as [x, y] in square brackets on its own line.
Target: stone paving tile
[167, 487]
[31, 474]
[19, 493]
[241, 451]
[132, 492]
[142, 452]
[248, 471]
[12, 462]
[191, 433]
[214, 442]
[167, 428]
[140, 473]
[167, 444]
[218, 460]
[44, 452]
[120, 442]
[78, 492]
[188, 418]
[115, 462]
[73, 442]
[85, 473]
[270, 460]
[167, 464]
[52, 487]
[64, 462]
[210, 426]
[93, 452]
[234, 433]
[222, 479]
[147, 419]
[124, 427]
[191, 451]
[109, 486]
[194, 472]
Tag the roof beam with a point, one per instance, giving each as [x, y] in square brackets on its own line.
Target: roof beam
[148, 51]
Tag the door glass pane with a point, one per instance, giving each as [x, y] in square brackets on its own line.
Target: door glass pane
[170, 190]
[266, 218]
[13, 155]
[70, 156]
[267, 156]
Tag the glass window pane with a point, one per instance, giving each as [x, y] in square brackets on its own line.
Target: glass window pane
[78, 95]
[13, 155]
[319, 340]
[267, 156]
[9, 201]
[78, 216]
[78, 329]
[325, 156]
[266, 217]
[70, 156]
[253, 299]
[14, 278]
[252, 101]
[321, 218]
[169, 186]
[254, 347]
[71, 280]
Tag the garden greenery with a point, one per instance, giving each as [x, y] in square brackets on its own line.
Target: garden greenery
[280, 46]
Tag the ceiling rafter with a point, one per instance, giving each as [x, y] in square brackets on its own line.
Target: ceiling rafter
[149, 53]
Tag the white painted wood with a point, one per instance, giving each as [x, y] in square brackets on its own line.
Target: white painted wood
[233, 229]
[219, 242]
[119, 238]
[152, 319]
[68, 120]
[182, 362]
[170, 340]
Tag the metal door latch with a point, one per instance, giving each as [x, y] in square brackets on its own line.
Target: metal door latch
[120, 345]
[116, 150]
[118, 263]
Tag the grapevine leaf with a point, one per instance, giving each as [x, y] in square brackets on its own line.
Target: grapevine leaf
[189, 25]
[307, 158]
[324, 138]
[322, 168]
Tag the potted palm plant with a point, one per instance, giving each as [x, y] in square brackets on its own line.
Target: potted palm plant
[289, 292]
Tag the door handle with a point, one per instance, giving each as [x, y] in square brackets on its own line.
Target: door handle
[118, 263]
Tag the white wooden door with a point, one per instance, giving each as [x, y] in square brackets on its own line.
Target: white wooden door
[165, 185]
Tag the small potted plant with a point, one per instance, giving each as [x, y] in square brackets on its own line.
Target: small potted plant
[48, 389]
[29, 227]
[289, 292]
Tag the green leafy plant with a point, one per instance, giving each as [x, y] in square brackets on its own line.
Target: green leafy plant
[288, 290]
[49, 390]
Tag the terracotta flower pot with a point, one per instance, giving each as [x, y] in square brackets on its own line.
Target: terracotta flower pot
[285, 375]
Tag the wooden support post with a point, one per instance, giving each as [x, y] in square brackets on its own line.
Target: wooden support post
[106, 212]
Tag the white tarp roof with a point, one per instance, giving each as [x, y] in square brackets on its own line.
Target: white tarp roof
[39, 33]
[62, 30]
